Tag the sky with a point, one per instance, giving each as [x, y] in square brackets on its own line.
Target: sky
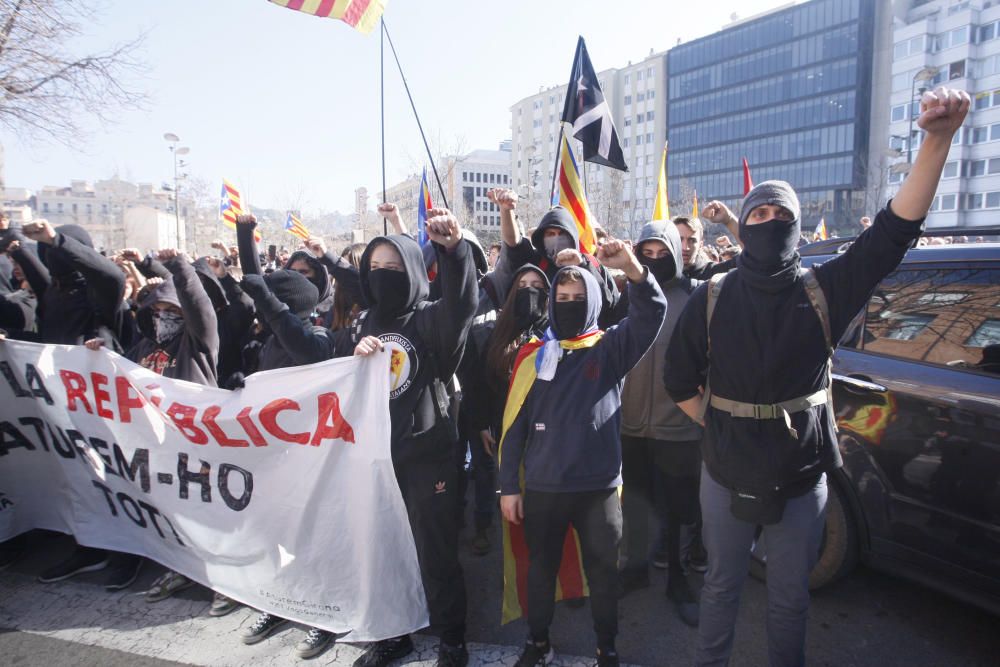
[287, 105]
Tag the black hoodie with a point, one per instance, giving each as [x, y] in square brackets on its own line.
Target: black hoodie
[426, 343]
[234, 311]
[533, 252]
[83, 298]
[190, 355]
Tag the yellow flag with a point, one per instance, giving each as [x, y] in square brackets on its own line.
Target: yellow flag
[694, 207]
[661, 209]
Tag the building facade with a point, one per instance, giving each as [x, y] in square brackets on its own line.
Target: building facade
[957, 44]
[790, 90]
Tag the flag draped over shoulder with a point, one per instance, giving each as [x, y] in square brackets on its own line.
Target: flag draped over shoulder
[423, 205]
[588, 112]
[573, 198]
[362, 15]
[747, 181]
[295, 227]
[571, 581]
[231, 205]
[661, 206]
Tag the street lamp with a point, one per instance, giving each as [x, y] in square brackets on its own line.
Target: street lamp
[925, 74]
[176, 151]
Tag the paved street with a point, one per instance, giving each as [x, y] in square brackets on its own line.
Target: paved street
[869, 619]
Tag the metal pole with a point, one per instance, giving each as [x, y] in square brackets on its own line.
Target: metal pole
[381, 46]
[444, 197]
[555, 168]
[909, 112]
[177, 212]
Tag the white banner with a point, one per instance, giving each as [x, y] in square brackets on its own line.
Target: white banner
[281, 495]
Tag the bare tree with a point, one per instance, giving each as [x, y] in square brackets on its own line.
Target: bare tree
[46, 88]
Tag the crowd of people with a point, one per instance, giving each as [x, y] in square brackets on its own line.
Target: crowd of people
[659, 383]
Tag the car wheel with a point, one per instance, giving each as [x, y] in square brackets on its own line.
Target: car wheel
[838, 553]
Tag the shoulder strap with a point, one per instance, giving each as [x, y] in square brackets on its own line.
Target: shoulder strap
[818, 300]
[714, 289]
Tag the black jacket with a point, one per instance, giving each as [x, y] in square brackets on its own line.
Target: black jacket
[190, 355]
[702, 269]
[426, 343]
[768, 347]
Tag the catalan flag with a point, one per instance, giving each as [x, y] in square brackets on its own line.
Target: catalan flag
[571, 581]
[231, 205]
[661, 206]
[362, 15]
[574, 199]
[295, 227]
[747, 181]
[423, 205]
[694, 207]
[820, 234]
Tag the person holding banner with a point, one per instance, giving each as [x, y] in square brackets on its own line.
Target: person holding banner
[425, 340]
[563, 425]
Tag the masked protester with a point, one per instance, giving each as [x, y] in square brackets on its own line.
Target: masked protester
[661, 456]
[756, 371]
[566, 434]
[426, 340]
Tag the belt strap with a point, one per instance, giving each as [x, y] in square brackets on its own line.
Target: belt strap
[780, 410]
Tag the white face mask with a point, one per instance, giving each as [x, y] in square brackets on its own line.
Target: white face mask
[555, 244]
[167, 325]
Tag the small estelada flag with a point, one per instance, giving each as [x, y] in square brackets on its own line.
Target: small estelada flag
[295, 227]
[820, 234]
[423, 205]
[362, 15]
[231, 205]
[573, 198]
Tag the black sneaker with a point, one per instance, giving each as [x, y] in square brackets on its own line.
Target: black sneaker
[123, 571]
[262, 628]
[380, 654]
[314, 643]
[607, 658]
[452, 656]
[84, 559]
[536, 655]
[685, 601]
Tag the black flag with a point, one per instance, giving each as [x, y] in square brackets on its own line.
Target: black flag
[589, 113]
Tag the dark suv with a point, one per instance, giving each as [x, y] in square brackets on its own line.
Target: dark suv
[917, 398]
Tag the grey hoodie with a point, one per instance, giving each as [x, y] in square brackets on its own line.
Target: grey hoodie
[647, 410]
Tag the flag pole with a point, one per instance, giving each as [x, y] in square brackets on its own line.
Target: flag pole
[381, 47]
[444, 197]
[555, 168]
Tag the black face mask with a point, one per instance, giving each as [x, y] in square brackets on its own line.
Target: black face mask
[662, 268]
[390, 290]
[530, 305]
[571, 317]
[770, 246]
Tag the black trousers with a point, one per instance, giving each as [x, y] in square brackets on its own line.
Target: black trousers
[430, 492]
[660, 481]
[597, 517]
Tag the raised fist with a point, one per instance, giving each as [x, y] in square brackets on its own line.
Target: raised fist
[502, 197]
[943, 111]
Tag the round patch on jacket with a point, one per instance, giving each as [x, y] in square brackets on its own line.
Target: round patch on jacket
[404, 364]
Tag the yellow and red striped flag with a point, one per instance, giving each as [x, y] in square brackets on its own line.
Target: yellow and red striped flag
[694, 207]
[295, 227]
[661, 205]
[362, 15]
[231, 205]
[574, 199]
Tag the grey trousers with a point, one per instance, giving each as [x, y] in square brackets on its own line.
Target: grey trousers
[792, 551]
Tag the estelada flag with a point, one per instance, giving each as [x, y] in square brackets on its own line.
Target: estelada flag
[820, 234]
[423, 205]
[295, 227]
[362, 15]
[574, 199]
[571, 581]
[231, 205]
[661, 205]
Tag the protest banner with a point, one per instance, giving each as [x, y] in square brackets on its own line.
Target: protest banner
[281, 495]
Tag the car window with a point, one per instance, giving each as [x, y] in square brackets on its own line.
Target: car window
[947, 316]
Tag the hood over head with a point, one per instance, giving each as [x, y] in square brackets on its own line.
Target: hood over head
[322, 278]
[417, 285]
[771, 248]
[165, 292]
[529, 268]
[664, 231]
[294, 290]
[211, 283]
[54, 258]
[559, 218]
[478, 254]
[593, 303]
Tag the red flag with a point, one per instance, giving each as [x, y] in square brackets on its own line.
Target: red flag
[747, 181]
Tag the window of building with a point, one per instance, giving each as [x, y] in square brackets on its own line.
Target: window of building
[45, 207]
[649, 115]
[627, 76]
[638, 75]
[993, 200]
[993, 166]
[628, 100]
[537, 123]
[895, 177]
[628, 122]
[649, 73]
[650, 94]
[988, 333]
[987, 32]
[950, 169]
[956, 70]
[638, 140]
[625, 142]
[640, 97]
[947, 202]
[479, 178]
[649, 137]
[59, 207]
[639, 118]
[908, 47]
[980, 134]
[973, 201]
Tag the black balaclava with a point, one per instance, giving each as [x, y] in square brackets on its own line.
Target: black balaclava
[390, 290]
[569, 319]
[664, 269]
[770, 257]
[530, 304]
[392, 294]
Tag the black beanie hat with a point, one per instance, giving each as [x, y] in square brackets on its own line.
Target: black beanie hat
[294, 290]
